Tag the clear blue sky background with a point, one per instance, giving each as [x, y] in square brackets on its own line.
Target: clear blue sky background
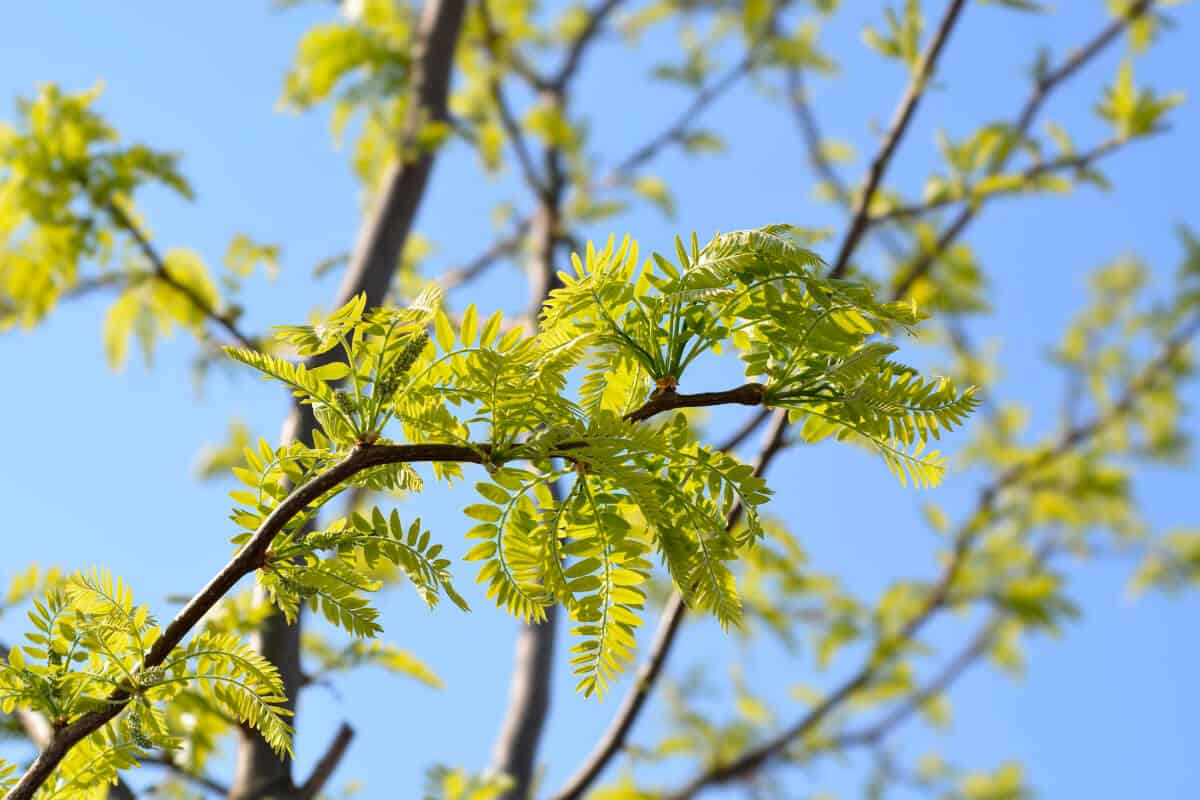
[99, 466]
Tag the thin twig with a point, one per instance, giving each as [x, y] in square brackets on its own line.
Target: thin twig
[679, 126]
[178, 770]
[225, 321]
[1077, 161]
[571, 62]
[507, 119]
[922, 75]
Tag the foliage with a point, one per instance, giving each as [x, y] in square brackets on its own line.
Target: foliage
[592, 474]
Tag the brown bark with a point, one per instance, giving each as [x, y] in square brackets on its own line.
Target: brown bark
[260, 772]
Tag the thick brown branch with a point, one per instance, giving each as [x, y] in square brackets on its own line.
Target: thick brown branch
[922, 75]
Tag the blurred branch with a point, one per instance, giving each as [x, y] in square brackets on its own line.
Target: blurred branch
[922, 75]
[509, 122]
[680, 125]
[505, 246]
[226, 321]
[595, 22]
[328, 762]
[1077, 161]
[1043, 87]
[939, 595]
[179, 771]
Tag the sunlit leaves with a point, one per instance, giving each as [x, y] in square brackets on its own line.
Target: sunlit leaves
[90, 648]
[901, 35]
[1131, 111]
[66, 191]
[1172, 565]
[500, 395]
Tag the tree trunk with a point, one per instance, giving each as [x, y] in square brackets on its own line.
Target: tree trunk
[259, 772]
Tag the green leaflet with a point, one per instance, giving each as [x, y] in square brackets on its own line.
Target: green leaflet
[634, 488]
[91, 640]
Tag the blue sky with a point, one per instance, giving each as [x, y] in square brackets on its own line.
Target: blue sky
[99, 465]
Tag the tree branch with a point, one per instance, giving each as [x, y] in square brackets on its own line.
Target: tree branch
[511, 127]
[904, 113]
[1020, 128]
[372, 265]
[453, 278]
[178, 770]
[1076, 161]
[679, 127]
[324, 767]
[225, 321]
[755, 758]
[571, 62]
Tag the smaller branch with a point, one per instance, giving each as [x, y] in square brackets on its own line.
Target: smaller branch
[810, 129]
[747, 429]
[328, 763]
[676, 130]
[976, 647]
[1020, 128]
[178, 770]
[571, 62]
[507, 119]
[1079, 161]
[506, 246]
[904, 114]
[749, 394]
[107, 280]
[123, 220]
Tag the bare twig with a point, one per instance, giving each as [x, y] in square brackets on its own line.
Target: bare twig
[506, 246]
[679, 126]
[507, 119]
[595, 23]
[810, 129]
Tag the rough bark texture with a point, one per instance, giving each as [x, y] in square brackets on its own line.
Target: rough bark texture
[259, 772]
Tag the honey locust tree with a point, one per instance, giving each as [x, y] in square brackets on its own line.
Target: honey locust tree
[590, 430]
